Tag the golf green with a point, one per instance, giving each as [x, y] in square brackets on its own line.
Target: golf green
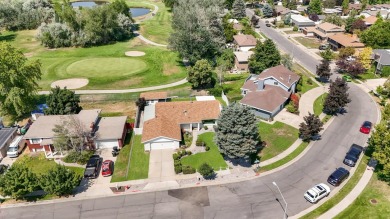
[103, 67]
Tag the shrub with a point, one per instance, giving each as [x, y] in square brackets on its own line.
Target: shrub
[292, 108]
[200, 143]
[189, 153]
[206, 170]
[175, 156]
[178, 169]
[385, 71]
[206, 128]
[188, 170]
[77, 157]
[309, 81]
[295, 28]
[281, 25]
[207, 148]
[215, 91]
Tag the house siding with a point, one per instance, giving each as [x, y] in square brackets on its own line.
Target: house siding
[246, 48]
[271, 81]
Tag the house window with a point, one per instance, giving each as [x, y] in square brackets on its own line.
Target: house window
[275, 83]
[35, 141]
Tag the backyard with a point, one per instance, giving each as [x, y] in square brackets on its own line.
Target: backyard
[278, 137]
[232, 85]
[212, 157]
[139, 161]
[310, 43]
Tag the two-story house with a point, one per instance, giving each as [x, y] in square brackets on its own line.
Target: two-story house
[323, 30]
[244, 42]
[268, 92]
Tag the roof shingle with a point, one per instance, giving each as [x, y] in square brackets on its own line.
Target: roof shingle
[245, 40]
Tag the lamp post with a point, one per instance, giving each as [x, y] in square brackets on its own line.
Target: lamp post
[285, 209]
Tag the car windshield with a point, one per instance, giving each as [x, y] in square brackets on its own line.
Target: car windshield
[309, 193]
[13, 149]
[367, 124]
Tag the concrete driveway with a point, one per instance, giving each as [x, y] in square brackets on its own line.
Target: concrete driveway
[106, 155]
[161, 165]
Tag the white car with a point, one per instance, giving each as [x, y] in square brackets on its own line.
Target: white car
[16, 147]
[316, 193]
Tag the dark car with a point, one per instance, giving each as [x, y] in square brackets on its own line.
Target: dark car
[92, 168]
[338, 176]
[353, 155]
[107, 168]
[323, 47]
[267, 23]
[366, 127]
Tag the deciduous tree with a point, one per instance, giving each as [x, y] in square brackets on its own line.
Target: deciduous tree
[265, 55]
[287, 61]
[62, 102]
[338, 96]
[380, 142]
[345, 6]
[59, 181]
[378, 35]
[328, 54]
[345, 52]
[170, 3]
[200, 75]
[334, 19]
[238, 9]
[18, 181]
[365, 57]
[355, 68]
[358, 24]
[18, 81]
[237, 135]
[311, 127]
[315, 7]
[323, 70]
[329, 3]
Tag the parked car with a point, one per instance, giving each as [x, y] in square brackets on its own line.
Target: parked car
[347, 78]
[16, 147]
[92, 168]
[353, 155]
[267, 23]
[323, 47]
[338, 176]
[316, 193]
[3, 168]
[107, 168]
[366, 127]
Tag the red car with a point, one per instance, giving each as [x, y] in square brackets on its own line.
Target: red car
[107, 168]
[366, 127]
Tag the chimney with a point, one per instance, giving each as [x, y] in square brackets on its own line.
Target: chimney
[260, 84]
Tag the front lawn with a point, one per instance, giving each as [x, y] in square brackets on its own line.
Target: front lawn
[308, 42]
[318, 104]
[278, 136]
[307, 82]
[232, 86]
[212, 157]
[139, 161]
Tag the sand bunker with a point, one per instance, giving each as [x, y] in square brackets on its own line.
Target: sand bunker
[134, 53]
[71, 83]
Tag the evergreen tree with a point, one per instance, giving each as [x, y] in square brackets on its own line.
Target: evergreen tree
[323, 70]
[59, 181]
[206, 170]
[62, 102]
[200, 75]
[18, 181]
[239, 9]
[345, 6]
[237, 135]
[267, 11]
[338, 96]
[315, 7]
[311, 127]
[141, 103]
[266, 55]
[229, 4]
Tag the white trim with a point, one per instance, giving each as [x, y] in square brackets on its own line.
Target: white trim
[172, 139]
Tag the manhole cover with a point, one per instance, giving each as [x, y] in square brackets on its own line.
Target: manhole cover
[373, 201]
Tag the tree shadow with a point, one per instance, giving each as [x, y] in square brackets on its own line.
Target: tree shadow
[8, 37]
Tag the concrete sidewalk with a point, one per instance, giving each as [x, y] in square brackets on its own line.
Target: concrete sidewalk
[307, 100]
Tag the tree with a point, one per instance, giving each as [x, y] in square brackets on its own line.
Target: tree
[229, 4]
[18, 181]
[314, 17]
[355, 68]
[311, 127]
[200, 75]
[349, 21]
[226, 60]
[345, 6]
[365, 57]
[237, 136]
[287, 19]
[334, 19]
[323, 70]
[18, 81]
[239, 9]
[345, 52]
[378, 35]
[206, 170]
[265, 55]
[327, 54]
[197, 29]
[254, 20]
[315, 7]
[287, 61]
[338, 96]
[329, 3]
[267, 11]
[170, 3]
[380, 142]
[59, 181]
[62, 102]
[141, 103]
[120, 7]
[292, 4]
[358, 24]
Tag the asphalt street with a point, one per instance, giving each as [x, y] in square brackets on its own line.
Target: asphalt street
[257, 198]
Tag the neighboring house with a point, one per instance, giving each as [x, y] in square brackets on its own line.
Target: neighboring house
[39, 111]
[329, 11]
[154, 97]
[241, 60]
[104, 132]
[385, 14]
[7, 135]
[244, 42]
[267, 92]
[301, 21]
[382, 58]
[341, 40]
[323, 30]
[370, 20]
[281, 12]
[238, 27]
[164, 125]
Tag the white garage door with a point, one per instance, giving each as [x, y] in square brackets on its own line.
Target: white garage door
[107, 144]
[162, 145]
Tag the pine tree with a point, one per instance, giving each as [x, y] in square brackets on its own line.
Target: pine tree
[239, 9]
[267, 11]
[338, 96]
[266, 55]
[237, 135]
[59, 181]
[206, 170]
[323, 70]
[62, 102]
[18, 181]
[311, 127]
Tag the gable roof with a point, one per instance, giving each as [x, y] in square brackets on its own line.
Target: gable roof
[384, 56]
[370, 20]
[347, 40]
[280, 73]
[154, 95]
[237, 26]
[243, 56]
[330, 27]
[268, 99]
[160, 127]
[5, 135]
[245, 40]
[111, 127]
[279, 9]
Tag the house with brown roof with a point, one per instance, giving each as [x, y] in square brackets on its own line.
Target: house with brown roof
[244, 42]
[104, 132]
[164, 125]
[323, 30]
[281, 11]
[267, 92]
[154, 97]
[342, 40]
[370, 20]
[241, 60]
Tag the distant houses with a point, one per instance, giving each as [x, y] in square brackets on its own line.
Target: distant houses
[341, 40]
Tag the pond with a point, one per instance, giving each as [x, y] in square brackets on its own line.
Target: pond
[87, 4]
[136, 12]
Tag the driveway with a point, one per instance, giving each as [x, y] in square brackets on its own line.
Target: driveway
[106, 155]
[161, 165]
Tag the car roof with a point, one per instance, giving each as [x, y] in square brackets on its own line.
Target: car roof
[367, 123]
[339, 172]
[356, 147]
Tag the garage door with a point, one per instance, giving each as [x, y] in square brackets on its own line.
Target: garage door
[107, 144]
[162, 145]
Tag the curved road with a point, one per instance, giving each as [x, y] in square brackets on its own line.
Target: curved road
[256, 198]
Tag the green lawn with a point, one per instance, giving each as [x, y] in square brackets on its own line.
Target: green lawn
[342, 192]
[363, 208]
[139, 161]
[318, 104]
[278, 136]
[291, 32]
[307, 83]
[212, 157]
[232, 87]
[308, 42]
